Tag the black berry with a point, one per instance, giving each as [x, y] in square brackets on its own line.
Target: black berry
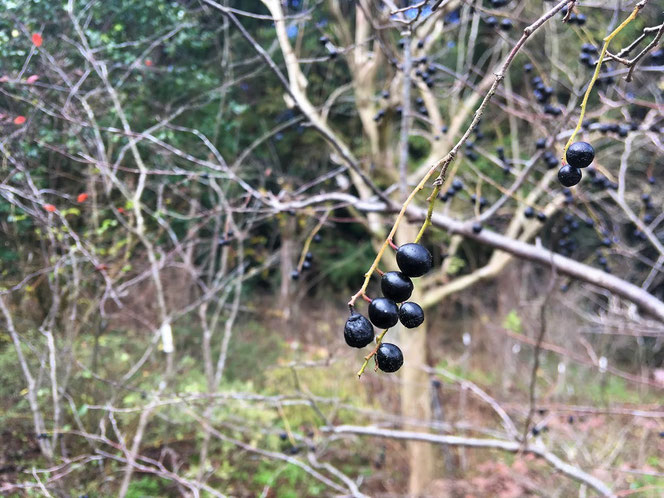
[580, 155]
[389, 357]
[396, 286]
[414, 260]
[358, 331]
[505, 24]
[477, 227]
[383, 313]
[295, 275]
[411, 315]
[569, 175]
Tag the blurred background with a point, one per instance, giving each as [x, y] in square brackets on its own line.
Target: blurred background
[191, 192]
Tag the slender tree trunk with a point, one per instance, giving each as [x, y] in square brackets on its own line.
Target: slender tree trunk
[415, 395]
[287, 260]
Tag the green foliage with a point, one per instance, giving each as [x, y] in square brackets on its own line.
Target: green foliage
[288, 481]
[145, 487]
[513, 322]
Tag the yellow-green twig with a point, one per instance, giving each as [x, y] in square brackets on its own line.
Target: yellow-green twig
[427, 221]
[598, 67]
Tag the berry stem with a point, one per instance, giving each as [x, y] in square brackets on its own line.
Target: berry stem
[366, 298]
[427, 221]
[598, 67]
[379, 339]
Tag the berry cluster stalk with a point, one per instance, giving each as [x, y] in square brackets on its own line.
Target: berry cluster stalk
[598, 67]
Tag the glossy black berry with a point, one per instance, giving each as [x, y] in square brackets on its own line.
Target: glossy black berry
[358, 331]
[306, 265]
[541, 217]
[414, 260]
[396, 286]
[383, 313]
[477, 227]
[295, 275]
[529, 212]
[541, 143]
[491, 21]
[411, 315]
[317, 238]
[389, 357]
[580, 155]
[506, 24]
[568, 175]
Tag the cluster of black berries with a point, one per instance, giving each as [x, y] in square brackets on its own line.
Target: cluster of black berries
[550, 159]
[567, 244]
[618, 128]
[579, 155]
[308, 259]
[543, 94]
[480, 201]
[578, 19]
[414, 260]
[470, 153]
[529, 213]
[457, 186]
[600, 182]
[587, 56]
[507, 163]
[505, 24]
[427, 73]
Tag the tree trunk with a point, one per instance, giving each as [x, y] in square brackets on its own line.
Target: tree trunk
[287, 264]
[415, 395]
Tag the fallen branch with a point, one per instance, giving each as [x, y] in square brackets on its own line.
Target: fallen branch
[467, 442]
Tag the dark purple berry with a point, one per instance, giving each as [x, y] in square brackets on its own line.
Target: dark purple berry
[396, 286]
[568, 175]
[580, 155]
[295, 275]
[414, 260]
[358, 331]
[383, 313]
[506, 24]
[389, 357]
[411, 315]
